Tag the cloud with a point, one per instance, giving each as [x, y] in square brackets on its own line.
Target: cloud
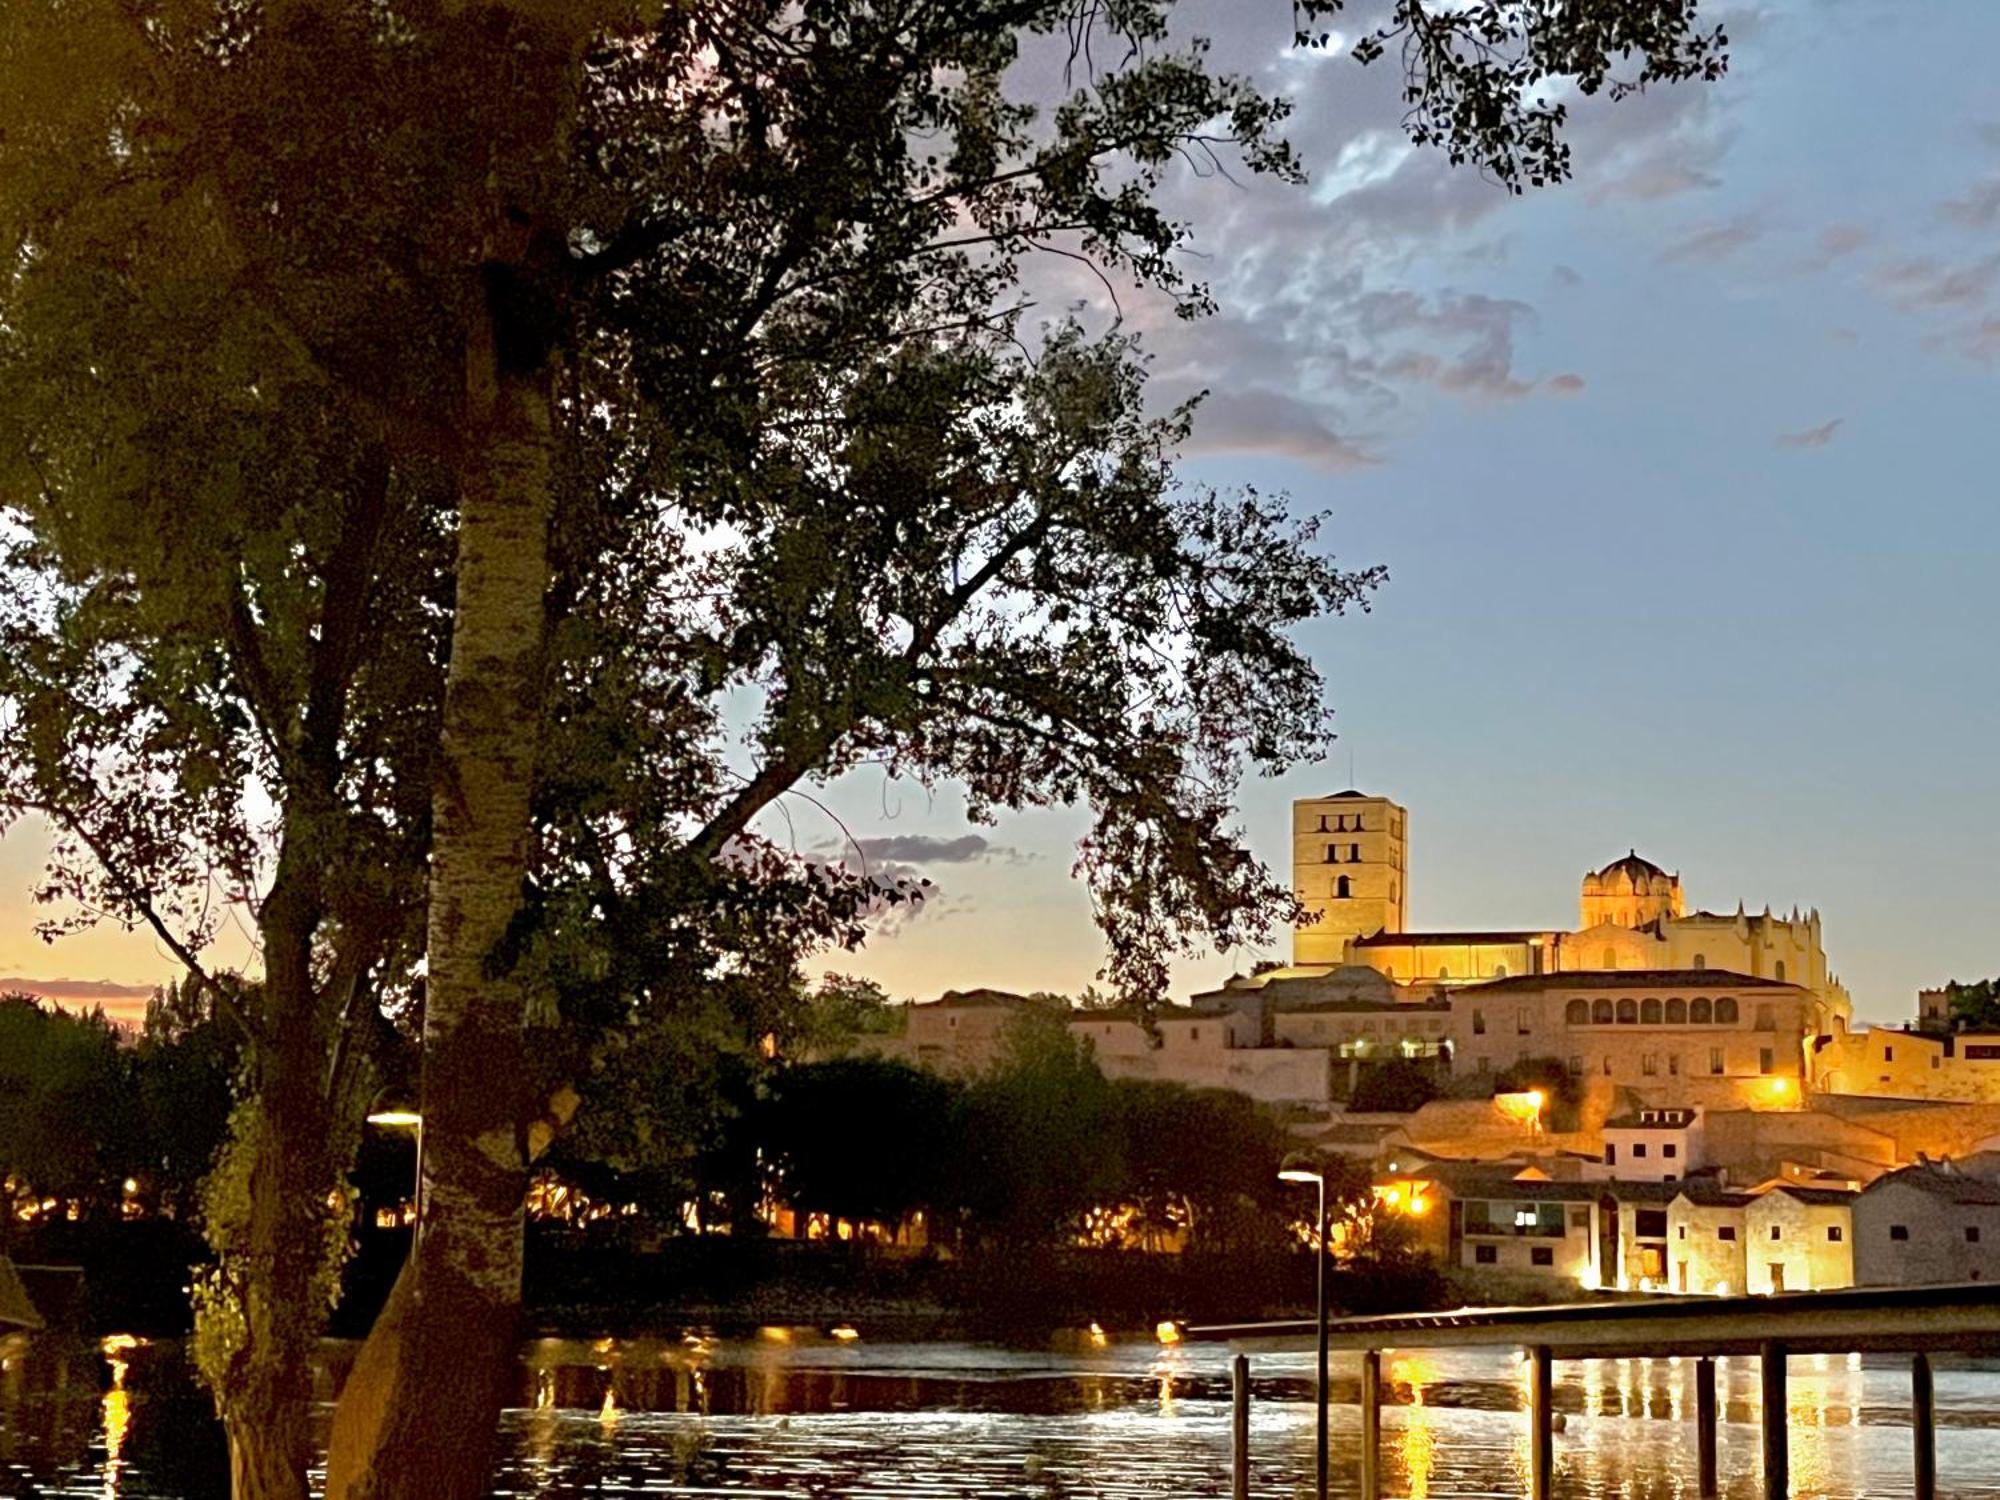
[1976, 208]
[1918, 282]
[922, 848]
[1564, 385]
[1566, 276]
[1272, 422]
[1979, 340]
[1812, 437]
[124, 1003]
[1713, 242]
[1836, 241]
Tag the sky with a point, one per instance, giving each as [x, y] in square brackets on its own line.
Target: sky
[1683, 474]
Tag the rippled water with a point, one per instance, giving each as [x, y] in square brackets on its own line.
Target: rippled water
[796, 1412]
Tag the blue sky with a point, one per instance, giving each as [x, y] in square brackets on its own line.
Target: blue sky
[1632, 614]
[1683, 473]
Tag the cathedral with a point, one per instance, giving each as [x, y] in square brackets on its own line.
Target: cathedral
[1350, 871]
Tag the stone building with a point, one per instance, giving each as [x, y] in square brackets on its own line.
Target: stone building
[1650, 1145]
[1353, 877]
[1677, 1036]
[1927, 1223]
[1886, 1062]
[1798, 1239]
[1348, 854]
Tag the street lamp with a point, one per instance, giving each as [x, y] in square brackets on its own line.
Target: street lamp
[1303, 1167]
[395, 1109]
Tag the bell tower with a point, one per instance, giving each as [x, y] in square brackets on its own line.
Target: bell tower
[1349, 870]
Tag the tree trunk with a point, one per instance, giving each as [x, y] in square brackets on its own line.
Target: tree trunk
[420, 1411]
[266, 1401]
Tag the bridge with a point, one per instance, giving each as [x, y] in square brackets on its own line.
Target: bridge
[1914, 1321]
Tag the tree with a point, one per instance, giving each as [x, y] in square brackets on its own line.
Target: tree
[1203, 1159]
[861, 1138]
[185, 1070]
[67, 1128]
[1975, 1006]
[1396, 1086]
[380, 380]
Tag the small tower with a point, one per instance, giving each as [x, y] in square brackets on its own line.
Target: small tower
[1630, 892]
[1349, 869]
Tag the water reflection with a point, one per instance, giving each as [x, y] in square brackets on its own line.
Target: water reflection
[803, 1411]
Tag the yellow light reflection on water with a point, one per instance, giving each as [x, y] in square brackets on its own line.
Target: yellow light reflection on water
[117, 1410]
[1417, 1442]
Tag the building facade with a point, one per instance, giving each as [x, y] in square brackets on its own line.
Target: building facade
[1927, 1223]
[1688, 1036]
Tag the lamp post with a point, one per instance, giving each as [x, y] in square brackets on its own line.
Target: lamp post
[1300, 1167]
[393, 1109]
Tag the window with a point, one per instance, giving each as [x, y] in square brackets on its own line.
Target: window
[1715, 1061]
[1701, 960]
[1628, 1012]
[1575, 1066]
[1682, 1231]
[1677, 1011]
[1333, 854]
[1610, 957]
[1649, 1064]
[1765, 1019]
[1525, 1217]
[1899, 1231]
[1638, 1151]
[1607, 1066]
[1322, 822]
[1340, 888]
[1649, 1011]
[1673, 1065]
[1700, 1013]
[1725, 1011]
[1726, 1232]
[1833, 1234]
[1194, 1033]
[1542, 1255]
[1780, 972]
[1600, 1013]
[1777, 1233]
[1485, 1255]
[1354, 854]
[1610, 1155]
[1670, 1151]
[1650, 1224]
[1521, 1021]
[1358, 828]
[1577, 1013]
[1766, 1060]
[1972, 1234]
[1478, 1016]
[1482, 1066]
[1499, 971]
[1443, 972]
[1888, 1054]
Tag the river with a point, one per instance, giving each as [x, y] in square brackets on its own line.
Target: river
[801, 1412]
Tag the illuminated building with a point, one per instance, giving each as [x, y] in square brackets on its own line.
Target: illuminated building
[1928, 1223]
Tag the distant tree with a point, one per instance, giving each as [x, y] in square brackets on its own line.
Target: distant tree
[1975, 1006]
[1395, 1086]
[1203, 1158]
[69, 1128]
[862, 1138]
[1040, 1147]
[837, 1011]
[185, 1069]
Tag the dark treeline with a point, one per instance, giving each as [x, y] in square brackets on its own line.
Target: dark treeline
[848, 1175]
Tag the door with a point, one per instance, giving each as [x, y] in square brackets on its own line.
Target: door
[1777, 1276]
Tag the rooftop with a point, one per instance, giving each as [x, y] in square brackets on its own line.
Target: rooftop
[1633, 979]
[1451, 939]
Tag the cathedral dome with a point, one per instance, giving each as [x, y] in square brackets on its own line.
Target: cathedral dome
[1630, 892]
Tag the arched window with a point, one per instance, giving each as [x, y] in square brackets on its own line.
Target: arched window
[1443, 972]
[1649, 1011]
[1725, 1011]
[1600, 1013]
[1340, 886]
[1701, 960]
[1499, 971]
[1628, 1012]
[1577, 1013]
[1699, 1013]
[1779, 973]
[1610, 959]
[1677, 1011]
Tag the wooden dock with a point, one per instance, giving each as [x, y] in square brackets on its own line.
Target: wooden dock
[1917, 1321]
